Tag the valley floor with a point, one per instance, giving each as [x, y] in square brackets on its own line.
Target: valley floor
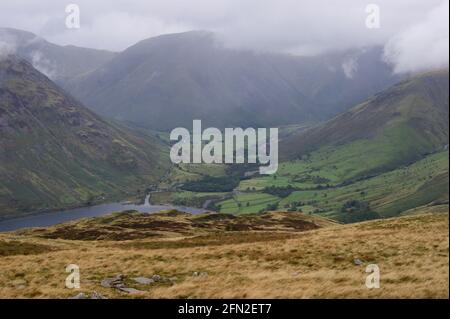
[412, 253]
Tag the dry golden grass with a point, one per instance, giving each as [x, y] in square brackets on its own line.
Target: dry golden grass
[411, 252]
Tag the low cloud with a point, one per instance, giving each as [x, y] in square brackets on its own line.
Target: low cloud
[413, 32]
[6, 49]
[43, 65]
[7, 45]
[350, 67]
[423, 46]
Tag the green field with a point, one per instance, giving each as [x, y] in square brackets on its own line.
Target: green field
[245, 203]
[388, 194]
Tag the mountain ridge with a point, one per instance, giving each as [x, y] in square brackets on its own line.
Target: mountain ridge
[166, 81]
[59, 62]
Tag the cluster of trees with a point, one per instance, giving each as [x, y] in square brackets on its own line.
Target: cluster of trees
[212, 184]
[214, 207]
[294, 206]
[191, 201]
[356, 211]
[270, 207]
[312, 179]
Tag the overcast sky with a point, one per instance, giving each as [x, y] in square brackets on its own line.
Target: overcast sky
[414, 32]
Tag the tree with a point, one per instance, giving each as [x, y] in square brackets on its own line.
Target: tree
[356, 211]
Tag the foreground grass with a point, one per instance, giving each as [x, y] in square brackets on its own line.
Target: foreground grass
[411, 252]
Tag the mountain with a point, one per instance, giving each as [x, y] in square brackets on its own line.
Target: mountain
[55, 61]
[55, 153]
[395, 127]
[167, 81]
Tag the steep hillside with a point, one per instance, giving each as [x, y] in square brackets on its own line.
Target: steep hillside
[57, 62]
[395, 127]
[167, 81]
[56, 153]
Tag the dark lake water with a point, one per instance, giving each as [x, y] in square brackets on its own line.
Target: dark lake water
[53, 218]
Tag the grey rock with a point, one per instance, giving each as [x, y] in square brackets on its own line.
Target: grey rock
[358, 262]
[108, 282]
[131, 290]
[19, 283]
[144, 280]
[119, 285]
[96, 295]
[156, 278]
[113, 282]
[105, 283]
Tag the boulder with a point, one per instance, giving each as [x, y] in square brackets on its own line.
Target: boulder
[358, 262]
[113, 282]
[131, 290]
[96, 295]
[144, 280]
[19, 283]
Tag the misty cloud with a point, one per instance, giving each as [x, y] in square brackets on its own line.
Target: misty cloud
[350, 67]
[43, 64]
[423, 46]
[5, 49]
[414, 32]
[7, 45]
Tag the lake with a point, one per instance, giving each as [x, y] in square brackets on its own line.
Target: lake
[53, 218]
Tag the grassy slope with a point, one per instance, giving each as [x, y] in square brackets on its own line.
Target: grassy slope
[389, 194]
[411, 252]
[396, 127]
